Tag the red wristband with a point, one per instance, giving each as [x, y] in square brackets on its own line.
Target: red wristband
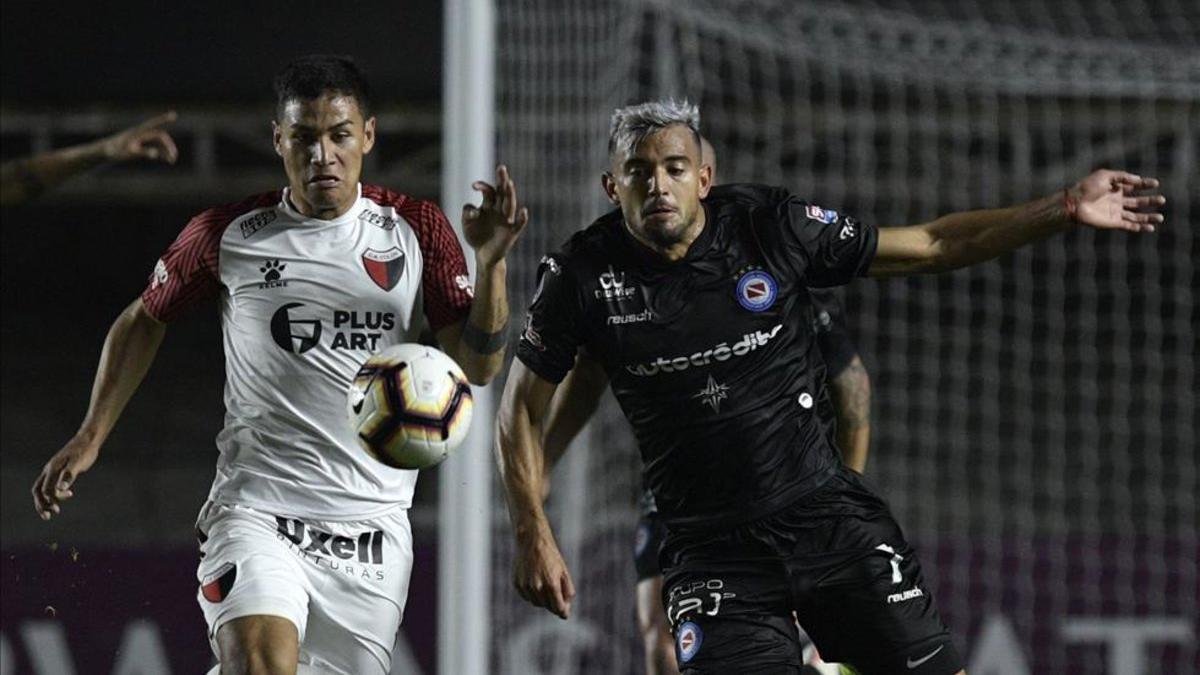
[1070, 206]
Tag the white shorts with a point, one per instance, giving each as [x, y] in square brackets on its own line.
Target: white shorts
[343, 584]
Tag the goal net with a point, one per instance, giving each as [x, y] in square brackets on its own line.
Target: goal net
[1034, 417]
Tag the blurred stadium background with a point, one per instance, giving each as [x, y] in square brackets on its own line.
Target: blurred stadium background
[1034, 420]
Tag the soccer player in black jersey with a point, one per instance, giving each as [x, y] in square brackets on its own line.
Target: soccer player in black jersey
[693, 299]
[578, 397]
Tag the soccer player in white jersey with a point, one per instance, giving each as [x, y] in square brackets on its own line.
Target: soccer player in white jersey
[305, 544]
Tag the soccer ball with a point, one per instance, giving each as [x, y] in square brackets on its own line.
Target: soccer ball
[410, 406]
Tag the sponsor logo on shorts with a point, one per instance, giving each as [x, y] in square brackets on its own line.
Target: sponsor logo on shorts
[696, 597]
[894, 560]
[913, 663]
[819, 214]
[215, 587]
[757, 290]
[335, 552]
[905, 596]
[689, 638]
[848, 229]
[257, 222]
[531, 336]
[366, 547]
[721, 352]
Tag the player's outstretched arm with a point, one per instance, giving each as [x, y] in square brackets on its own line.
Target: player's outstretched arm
[22, 180]
[129, 350]
[477, 343]
[1105, 200]
[572, 406]
[851, 390]
[539, 572]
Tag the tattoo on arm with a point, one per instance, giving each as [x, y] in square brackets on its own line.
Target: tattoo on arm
[483, 342]
[852, 390]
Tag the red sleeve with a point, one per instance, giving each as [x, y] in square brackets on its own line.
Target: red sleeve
[445, 283]
[187, 273]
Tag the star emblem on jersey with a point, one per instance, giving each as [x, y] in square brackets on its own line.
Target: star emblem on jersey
[712, 394]
[384, 267]
[757, 290]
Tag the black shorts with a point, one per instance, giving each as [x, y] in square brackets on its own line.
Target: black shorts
[837, 559]
[647, 542]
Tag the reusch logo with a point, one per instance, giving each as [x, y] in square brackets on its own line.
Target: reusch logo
[294, 335]
[366, 548]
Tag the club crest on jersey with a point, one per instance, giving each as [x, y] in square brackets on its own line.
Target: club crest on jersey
[688, 639]
[384, 267]
[757, 290]
[215, 587]
[819, 214]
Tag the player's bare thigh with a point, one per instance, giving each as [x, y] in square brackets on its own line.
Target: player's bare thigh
[259, 645]
[654, 628]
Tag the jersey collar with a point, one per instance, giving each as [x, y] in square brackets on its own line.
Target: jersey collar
[285, 205]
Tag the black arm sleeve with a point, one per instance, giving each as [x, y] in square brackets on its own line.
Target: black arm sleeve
[830, 248]
[553, 327]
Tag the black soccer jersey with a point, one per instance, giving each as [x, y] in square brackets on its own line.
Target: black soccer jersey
[829, 324]
[712, 358]
[833, 339]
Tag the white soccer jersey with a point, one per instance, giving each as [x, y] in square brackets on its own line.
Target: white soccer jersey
[303, 303]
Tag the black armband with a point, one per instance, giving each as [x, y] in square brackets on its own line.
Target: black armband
[481, 342]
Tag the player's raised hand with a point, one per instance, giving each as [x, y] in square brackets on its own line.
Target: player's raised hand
[541, 576]
[54, 485]
[492, 227]
[148, 140]
[1116, 200]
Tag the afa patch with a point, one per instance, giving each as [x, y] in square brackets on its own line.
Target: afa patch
[819, 214]
[757, 290]
[216, 586]
[688, 639]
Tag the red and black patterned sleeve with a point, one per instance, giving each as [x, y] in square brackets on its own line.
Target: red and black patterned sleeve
[187, 273]
[445, 282]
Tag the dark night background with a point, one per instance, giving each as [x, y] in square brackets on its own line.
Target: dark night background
[1033, 421]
